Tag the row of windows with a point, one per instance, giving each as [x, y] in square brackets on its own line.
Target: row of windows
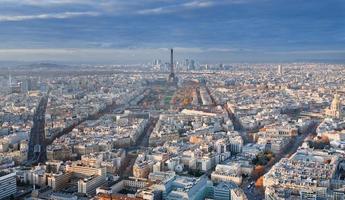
[9, 183]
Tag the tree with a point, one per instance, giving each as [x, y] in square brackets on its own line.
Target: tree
[258, 171]
[185, 102]
[324, 139]
[259, 182]
[263, 158]
[320, 143]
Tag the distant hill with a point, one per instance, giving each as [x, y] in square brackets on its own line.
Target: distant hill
[46, 66]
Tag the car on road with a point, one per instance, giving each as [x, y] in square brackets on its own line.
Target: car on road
[250, 185]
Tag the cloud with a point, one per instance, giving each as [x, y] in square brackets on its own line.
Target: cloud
[144, 55]
[177, 7]
[79, 55]
[64, 15]
[307, 52]
[118, 7]
[223, 49]
[218, 29]
[198, 4]
[45, 2]
[190, 5]
[97, 53]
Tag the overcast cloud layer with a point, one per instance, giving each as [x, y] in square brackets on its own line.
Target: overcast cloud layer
[122, 31]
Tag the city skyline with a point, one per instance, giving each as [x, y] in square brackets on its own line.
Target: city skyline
[172, 130]
[172, 99]
[120, 32]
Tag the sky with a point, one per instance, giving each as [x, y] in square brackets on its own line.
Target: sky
[138, 31]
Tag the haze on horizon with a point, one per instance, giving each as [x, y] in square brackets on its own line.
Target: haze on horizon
[118, 31]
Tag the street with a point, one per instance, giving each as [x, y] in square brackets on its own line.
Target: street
[37, 143]
[256, 193]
